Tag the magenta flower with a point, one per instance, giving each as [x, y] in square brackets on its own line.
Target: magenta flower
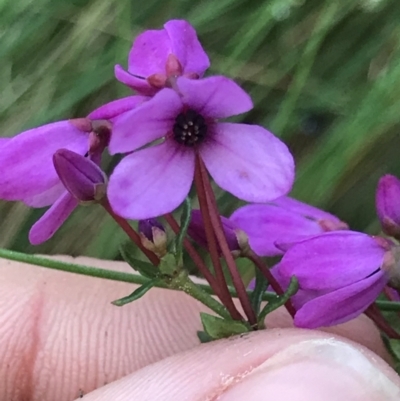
[27, 163]
[388, 204]
[282, 221]
[158, 55]
[245, 160]
[340, 274]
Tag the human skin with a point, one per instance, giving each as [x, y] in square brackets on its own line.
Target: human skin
[61, 339]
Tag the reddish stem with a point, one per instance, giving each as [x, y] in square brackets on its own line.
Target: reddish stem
[224, 294]
[271, 280]
[375, 314]
[132, 234]
[216, 223]
[193, 254]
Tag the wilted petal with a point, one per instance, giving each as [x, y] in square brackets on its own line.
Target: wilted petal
[26, 161]
[387, 204]
[214, 97]
[139, 84]
[52, 220]
[151, 182]
[117, 107]
[249, 162]
[341, 305]
[266, 224]
[332, 260]
[186, 47]
[146, 123]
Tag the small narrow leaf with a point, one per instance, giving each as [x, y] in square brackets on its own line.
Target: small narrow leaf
[185, 220]
[204, 337]
[138, 293]
[280, 300]
[259, 289]
[217, 327]
[144, 268]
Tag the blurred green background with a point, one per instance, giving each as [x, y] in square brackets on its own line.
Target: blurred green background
[324, 76]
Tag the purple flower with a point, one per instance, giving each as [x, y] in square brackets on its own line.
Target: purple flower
[388, 204]
[282, 221]
[340, 274]
[245, 160]
[158, 55]
[26, 161]
[197, 232]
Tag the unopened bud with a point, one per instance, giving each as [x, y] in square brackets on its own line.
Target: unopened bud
[82, 178]
[157, 80]
[388, 205]
[173, 67]
[153, 236]
[83, 124]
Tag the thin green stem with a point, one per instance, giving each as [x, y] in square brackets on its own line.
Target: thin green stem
[184, 283]
[271, 280]
[203, 269]
[59, 265]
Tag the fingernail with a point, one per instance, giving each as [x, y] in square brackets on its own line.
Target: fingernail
[322, 369]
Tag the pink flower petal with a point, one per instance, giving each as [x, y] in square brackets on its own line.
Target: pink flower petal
[117, 107]
[151, 181]
[52, 220]
[266, 224]
[139, 84]
[332, 260]
[340, 305]
[304, 209]
[149, 53]
[3, 141]
[26, 161]
[214, 97]
[186, 47]
[249, 162]
[47, 197]
[150, 121]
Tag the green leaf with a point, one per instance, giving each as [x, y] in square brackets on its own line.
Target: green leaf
[279, 301]
[144, 268]
[185, 220]
[168, 265]
[138, 293]
[259, 289]
[217, 327]
[204, 337]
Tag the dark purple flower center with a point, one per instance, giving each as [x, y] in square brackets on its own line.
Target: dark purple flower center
[190, 128]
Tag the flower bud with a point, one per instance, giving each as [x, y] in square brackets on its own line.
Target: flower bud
[388, 204]
[82, 178]
[153, 236]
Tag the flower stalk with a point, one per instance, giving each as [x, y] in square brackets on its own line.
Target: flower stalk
[271, 280]
[212, 247]
[215, 220]
[132, 234]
